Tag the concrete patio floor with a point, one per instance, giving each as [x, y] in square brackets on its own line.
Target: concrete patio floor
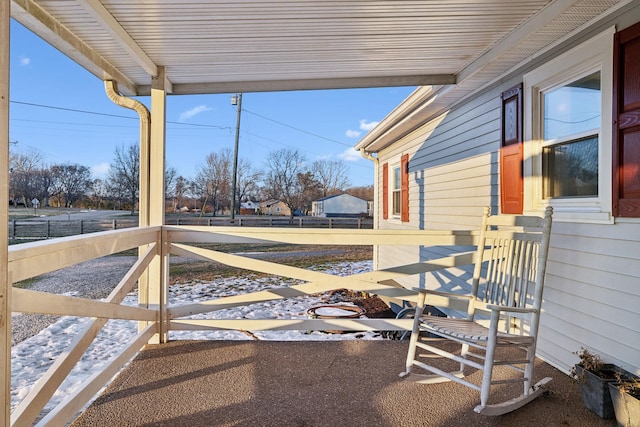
[320, 383]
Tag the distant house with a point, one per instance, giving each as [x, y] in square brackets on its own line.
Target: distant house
[344, 205]
[274, 207]
[249, 208]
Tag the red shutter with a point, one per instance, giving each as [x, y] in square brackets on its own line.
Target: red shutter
[385, 191]
[404, 188]
[511, 178]
[626, 115]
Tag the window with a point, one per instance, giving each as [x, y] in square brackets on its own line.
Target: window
[567, 124]
[395, 189]
[571, 126]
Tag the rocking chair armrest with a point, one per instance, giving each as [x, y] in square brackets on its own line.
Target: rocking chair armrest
[519, 310]
[443, 294]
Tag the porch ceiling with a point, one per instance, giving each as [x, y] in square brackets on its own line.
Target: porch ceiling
[218, 46]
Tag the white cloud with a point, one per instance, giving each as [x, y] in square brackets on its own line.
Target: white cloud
[350, 155]
[353, 133]
[100, 170]
[366, 125]
[24, 60]
[193, 112]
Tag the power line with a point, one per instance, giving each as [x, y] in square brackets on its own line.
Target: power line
[74, 110]
[295, 128]
[119, 116]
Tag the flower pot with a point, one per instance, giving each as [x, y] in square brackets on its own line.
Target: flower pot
[595, 389]
[626, 406]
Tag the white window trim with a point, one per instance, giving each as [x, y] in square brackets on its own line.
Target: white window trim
[392, 169]
[593, 55]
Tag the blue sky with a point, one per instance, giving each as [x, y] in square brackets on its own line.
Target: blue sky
[46, 85]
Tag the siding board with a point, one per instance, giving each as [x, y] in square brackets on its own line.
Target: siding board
[606, 281]
[584, 260]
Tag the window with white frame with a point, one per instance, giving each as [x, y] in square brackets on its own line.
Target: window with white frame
[572, 117]
[567, 117]
[396, 191]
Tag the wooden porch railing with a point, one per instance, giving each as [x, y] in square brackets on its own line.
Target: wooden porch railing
[158, 243]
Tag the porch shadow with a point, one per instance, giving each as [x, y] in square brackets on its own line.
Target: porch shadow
[319, 383]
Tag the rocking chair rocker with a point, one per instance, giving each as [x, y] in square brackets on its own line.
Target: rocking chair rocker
[502, 312]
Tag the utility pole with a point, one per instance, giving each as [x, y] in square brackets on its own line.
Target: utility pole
[235, 100]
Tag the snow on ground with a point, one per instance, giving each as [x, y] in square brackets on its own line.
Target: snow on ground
[32, 357]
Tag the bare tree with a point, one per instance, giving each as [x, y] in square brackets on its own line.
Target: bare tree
[124, 174]
[364, 192]
[98, 192]
[213, 180]
[308, 190]
[43, 182]
[247, 182]
[332, 175]
[181, 189]
[170, 174]
[71, 182]
[24, 168]
[282, 177]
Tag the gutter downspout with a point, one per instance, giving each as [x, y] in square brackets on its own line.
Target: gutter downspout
[144, 219]
[376, 199]
[111, 88]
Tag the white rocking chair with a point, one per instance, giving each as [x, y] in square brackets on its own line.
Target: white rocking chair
[502, 310]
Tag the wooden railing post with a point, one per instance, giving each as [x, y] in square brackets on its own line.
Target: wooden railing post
[5, 276]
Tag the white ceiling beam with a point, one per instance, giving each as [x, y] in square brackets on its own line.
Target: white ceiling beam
[96, 9]
[308, 84]
[32, 16]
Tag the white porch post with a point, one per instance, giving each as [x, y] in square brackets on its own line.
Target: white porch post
[159, 267]
[5, 283]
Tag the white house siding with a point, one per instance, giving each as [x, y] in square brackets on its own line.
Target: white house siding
[592, 294]
[452, 177]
